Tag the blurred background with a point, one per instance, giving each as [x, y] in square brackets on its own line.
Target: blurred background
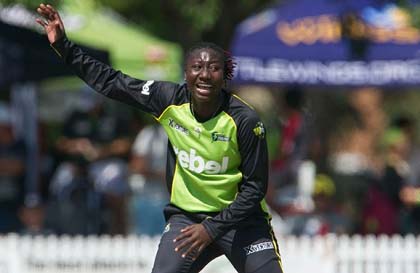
[336, 82]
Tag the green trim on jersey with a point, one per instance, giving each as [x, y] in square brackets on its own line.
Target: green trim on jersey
[207, 174]
[239, 98]
[264, 208]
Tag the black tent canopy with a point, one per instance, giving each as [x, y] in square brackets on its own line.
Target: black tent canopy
[25, 56]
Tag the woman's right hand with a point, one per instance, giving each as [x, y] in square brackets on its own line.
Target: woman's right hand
[51, 22]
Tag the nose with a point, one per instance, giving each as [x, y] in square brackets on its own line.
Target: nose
[204, 73]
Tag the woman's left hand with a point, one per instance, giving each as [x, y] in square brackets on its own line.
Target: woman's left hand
[192, 240]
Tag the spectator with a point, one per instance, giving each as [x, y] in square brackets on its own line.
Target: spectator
[149, 191]
[410, 194]
[291, 152]
[91, 183]
[407, 125]
[12, 173]
[326, 217]
[32, 216]
[383, 208]
[354, 160]
[291, 149]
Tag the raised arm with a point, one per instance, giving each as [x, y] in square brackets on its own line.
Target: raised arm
[148, 95]
[51, 22]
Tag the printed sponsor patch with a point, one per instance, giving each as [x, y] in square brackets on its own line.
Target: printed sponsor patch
[215, 136]
[146, 88]
[258, 247]
[259, 130]
[192, 161]
[178, 127]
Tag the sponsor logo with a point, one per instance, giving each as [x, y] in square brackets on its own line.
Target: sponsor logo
[258, 247]
[215, 136]
[259, 130]
[195, 163]
[167, 228]
[146, 88]
[178, 127]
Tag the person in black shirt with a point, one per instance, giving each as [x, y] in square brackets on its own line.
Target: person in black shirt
[12, 173]
[217, 164]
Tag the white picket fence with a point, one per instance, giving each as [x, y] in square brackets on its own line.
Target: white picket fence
[133, 254]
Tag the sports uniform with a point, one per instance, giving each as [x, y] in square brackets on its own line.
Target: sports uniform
[216, 170]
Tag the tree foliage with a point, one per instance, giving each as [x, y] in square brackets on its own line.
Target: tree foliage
[180, 21]
[30, 4]
[188, 21]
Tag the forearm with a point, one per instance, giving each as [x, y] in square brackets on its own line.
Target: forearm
[101, 77]
[144, 95]
[247, 202]
[254, 169]
[119, 147]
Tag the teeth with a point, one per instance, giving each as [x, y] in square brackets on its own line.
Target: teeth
[204, 86]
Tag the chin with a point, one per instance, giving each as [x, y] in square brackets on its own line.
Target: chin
[202, 97]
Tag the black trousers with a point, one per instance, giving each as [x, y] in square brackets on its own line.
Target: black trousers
[250, 249]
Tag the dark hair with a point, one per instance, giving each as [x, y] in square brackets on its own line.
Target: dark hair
[229, 64]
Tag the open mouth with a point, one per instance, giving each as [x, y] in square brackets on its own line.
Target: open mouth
[204, 89]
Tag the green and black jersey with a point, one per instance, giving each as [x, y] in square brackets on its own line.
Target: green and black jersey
[217, 169]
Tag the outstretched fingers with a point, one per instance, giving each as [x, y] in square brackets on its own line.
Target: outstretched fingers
[44, 11]
[51, 22]
[41, 22]
[51, 12]
[51, 8]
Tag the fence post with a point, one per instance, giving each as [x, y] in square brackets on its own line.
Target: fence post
[13, 258]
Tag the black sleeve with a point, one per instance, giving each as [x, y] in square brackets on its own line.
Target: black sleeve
[254, 168]
[150, 96]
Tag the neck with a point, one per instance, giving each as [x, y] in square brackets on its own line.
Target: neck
[207, 110]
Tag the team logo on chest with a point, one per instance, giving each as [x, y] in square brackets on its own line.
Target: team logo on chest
[215, 136]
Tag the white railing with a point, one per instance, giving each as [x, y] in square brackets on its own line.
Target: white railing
[133, 254]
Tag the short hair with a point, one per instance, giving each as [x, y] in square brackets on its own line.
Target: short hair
[229, 64]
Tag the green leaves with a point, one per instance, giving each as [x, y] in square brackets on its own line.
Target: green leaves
[30, 4]
[182, 21]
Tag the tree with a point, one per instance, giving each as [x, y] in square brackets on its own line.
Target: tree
[189, 21]
[30, 4]
[180, 21]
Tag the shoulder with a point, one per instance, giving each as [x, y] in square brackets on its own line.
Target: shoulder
[241, 111]
[149, 86]
[247, 120]
[171, 92]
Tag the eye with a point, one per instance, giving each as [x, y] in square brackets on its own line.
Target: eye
[196, 67]
[214, 68]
